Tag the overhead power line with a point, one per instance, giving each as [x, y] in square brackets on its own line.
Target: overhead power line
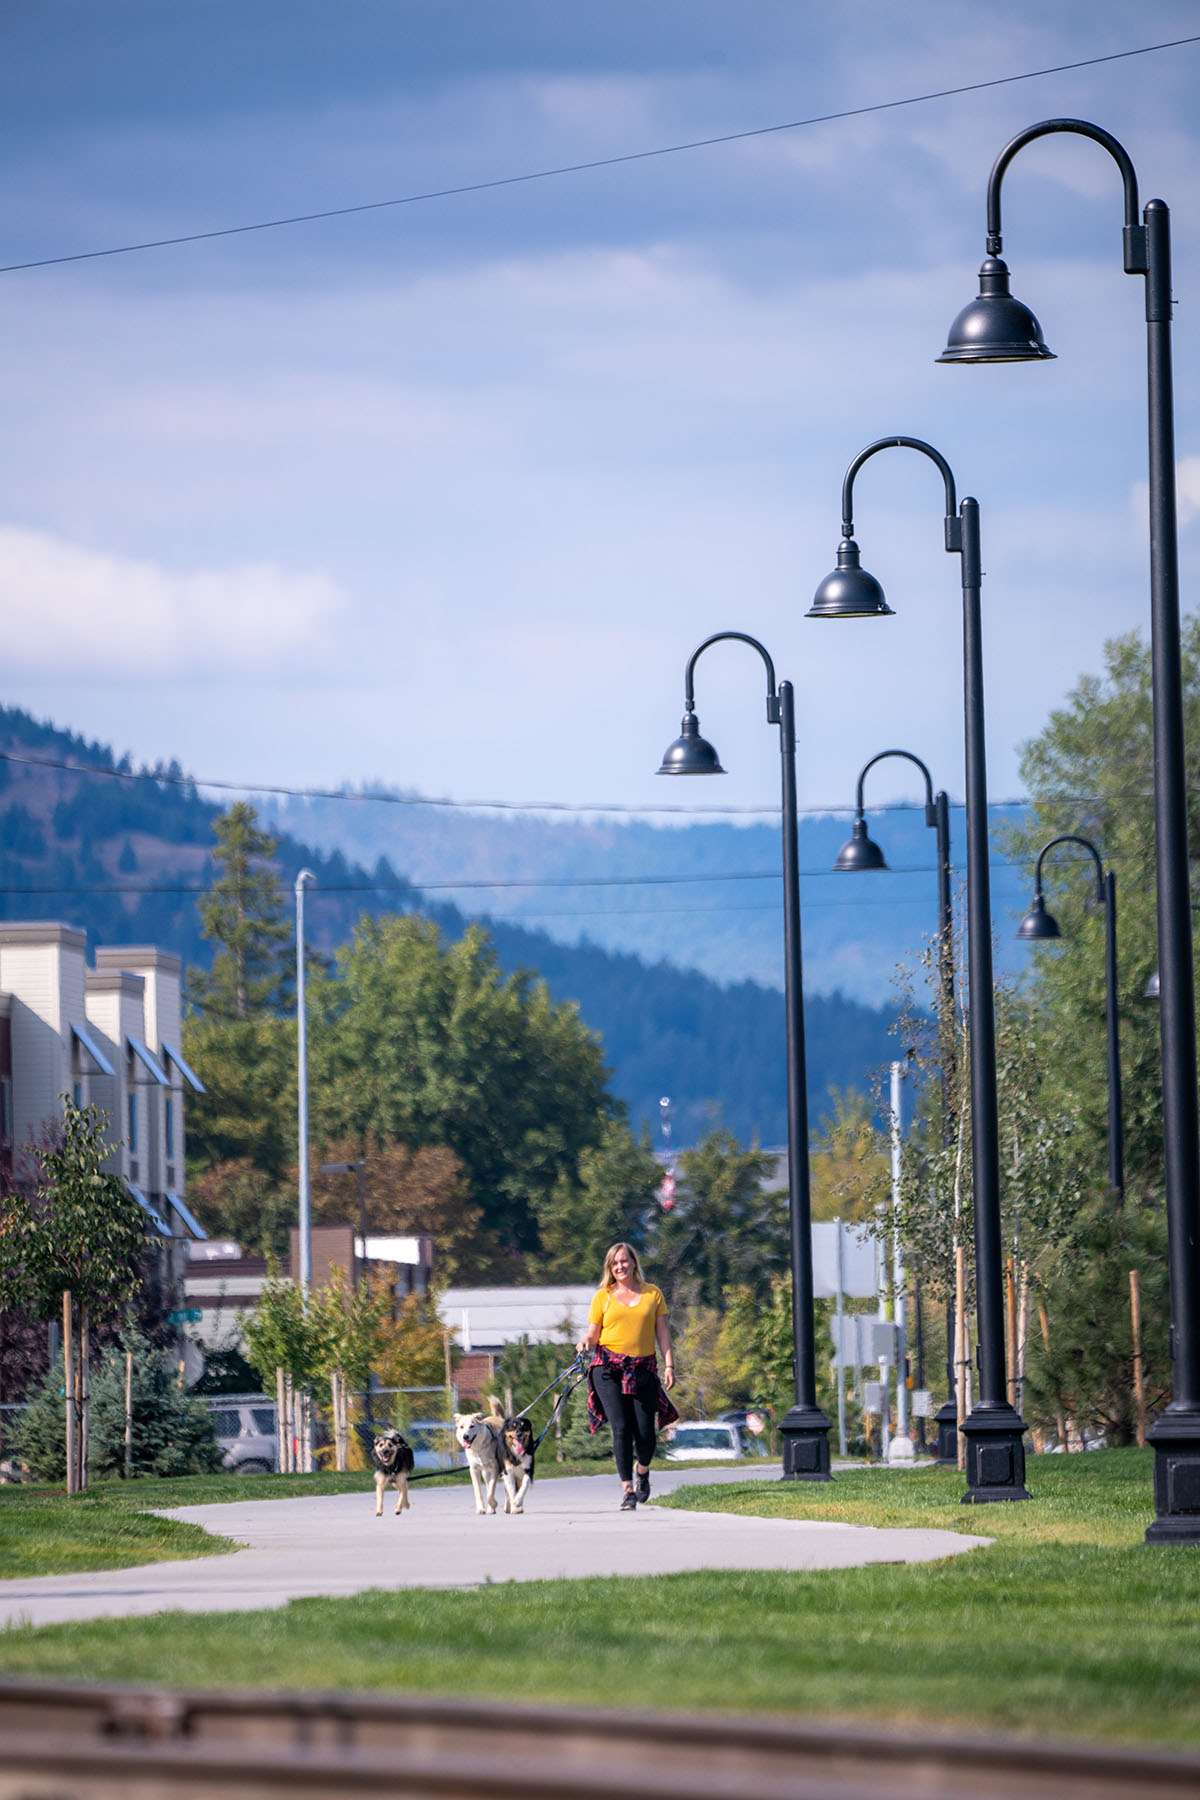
[356, 796]
[600, 162]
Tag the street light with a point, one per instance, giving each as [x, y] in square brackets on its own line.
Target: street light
[805, 1429]
[305, 1232]
[862, 854]
[1039, 927]
[997, 328]
[993, 1430]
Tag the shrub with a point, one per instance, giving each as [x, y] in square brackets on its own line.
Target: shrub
[172, 1430]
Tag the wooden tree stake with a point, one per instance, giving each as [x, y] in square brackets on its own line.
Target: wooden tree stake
[1139, 1379]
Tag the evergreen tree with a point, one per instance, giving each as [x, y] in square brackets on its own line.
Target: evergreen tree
[726, 1228]
[613, 1196]
[172, 1430]
[234, 1036]
[243, 915]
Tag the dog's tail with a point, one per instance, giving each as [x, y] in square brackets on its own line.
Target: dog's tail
[495, 1411]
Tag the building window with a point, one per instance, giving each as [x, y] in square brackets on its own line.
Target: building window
[170, 1129]
[78, 1094]
[6, 1127]
[133, 1125]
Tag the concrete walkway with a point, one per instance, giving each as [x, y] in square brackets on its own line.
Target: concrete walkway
[334, 1545]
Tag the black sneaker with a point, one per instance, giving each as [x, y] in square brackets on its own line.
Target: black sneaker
[628, 1502]
[642, 1490]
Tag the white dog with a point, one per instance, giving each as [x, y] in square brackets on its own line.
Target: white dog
[484, 1449]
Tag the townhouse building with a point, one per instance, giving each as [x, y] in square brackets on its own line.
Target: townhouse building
[108, 1035]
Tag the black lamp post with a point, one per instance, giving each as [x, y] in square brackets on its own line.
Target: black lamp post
[995, 1452]
[1039, 927]
[862, 854]
[997, 328]
[805, 1429]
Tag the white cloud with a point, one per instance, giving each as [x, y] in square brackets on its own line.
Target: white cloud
[1187, 476]
[71, 609]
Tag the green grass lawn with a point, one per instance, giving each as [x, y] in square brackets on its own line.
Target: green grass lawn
[1067, 1625]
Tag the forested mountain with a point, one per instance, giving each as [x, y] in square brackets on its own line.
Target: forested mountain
[126, 856]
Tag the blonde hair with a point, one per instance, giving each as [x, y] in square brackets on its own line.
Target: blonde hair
[606, 1279]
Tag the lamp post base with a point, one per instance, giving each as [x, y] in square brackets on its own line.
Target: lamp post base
[995, 1455]
[805, 1433]
[1176, 1440]
[946, 1420]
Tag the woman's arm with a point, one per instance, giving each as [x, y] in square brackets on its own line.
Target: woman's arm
[662, 1332]
[590, 1338]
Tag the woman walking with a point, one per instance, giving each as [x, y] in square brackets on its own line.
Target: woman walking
[627, 1318]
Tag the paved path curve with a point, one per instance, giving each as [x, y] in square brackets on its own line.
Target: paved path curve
[334, 1545]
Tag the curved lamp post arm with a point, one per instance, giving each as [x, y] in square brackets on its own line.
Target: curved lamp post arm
[1070, 838]
[1135, 235]
[930, 808]
[953, 532]
[741, 637]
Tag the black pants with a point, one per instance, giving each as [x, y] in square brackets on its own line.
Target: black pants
[631, 1416]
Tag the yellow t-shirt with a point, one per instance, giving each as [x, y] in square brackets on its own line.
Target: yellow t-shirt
[627, 1330]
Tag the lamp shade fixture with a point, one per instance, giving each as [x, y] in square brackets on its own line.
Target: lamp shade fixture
[860, 852]
[1038, 926]
[995, 327]
[690, 754]
[849, 592]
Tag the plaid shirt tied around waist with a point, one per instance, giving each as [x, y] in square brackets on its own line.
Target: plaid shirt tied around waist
[628, 1368]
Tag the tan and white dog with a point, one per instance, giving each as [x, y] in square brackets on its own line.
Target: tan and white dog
[484, 1447]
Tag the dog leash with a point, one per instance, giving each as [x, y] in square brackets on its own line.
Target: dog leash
[576, 1369]
[563, 1375]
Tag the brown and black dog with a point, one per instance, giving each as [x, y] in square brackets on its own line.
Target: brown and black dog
[517, 1448]
[393, 1459]
[518, 1462]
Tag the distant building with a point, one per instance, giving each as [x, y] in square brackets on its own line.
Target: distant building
[485, 1320]
[109, 1036]
[222, 1285]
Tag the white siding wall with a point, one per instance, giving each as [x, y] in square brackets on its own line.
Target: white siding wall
[43, 969]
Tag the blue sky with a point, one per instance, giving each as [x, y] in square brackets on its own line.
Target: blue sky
[443, 495]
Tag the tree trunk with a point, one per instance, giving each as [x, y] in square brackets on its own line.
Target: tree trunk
[281, 1421]
[1010, 1319]
[84, 1399]
[1059, 1419]
[1139, 1379]
[337, 1395]
[129, 1415]
[1022, 1334]
[962, 1352]
[69, 1388]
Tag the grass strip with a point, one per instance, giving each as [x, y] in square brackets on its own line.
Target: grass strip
[43, 1534]
[1067, 1625]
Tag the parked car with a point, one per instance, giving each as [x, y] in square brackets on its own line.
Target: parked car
[247, 1430]
[705, 1440]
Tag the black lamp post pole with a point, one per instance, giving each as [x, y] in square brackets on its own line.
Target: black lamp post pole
[997, 328]
[993, 1430]
[805, 1428]
[1039, 926]
[937, 814]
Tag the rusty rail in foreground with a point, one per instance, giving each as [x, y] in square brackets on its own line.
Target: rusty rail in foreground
[76, 1742]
